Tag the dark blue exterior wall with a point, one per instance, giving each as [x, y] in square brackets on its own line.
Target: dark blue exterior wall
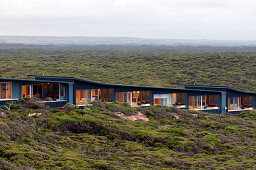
[16, 91]
[73, 84]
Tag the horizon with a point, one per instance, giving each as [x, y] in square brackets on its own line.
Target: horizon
[74, 36]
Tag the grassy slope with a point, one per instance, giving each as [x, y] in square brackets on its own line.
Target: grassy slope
[155, 66]
[95, 138]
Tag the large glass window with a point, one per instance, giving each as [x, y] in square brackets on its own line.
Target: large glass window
[26, 91]
[240, 103]
[86, 96]
[134, 98]
[247, 103]
[162, 99]
[234, 103]
[82, 97]
[46, 91]
[204, 102]
[6, 90]
[123, 97]
[141, 98]
[171, 99]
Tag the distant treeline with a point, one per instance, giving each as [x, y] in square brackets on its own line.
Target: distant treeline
[167, 66]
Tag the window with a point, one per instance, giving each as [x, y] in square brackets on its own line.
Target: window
[162, 99]
[62, 91]
[6, 90]
[26, 91]
[122, 97]
[204, 102]
[83, 97]
[176, 99]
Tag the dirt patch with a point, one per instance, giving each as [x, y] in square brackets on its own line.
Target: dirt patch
[137, 117]
[175, 115]
[34, 114]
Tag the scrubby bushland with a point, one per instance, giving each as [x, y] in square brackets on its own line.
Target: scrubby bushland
[141, 65]
[95, 138]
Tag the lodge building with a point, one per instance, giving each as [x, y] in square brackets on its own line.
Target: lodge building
[56, 91]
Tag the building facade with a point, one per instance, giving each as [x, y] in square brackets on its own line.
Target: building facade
[56, 91]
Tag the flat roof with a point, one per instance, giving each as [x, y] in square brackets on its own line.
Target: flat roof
[120, 85]
[66, 79]
[29, 80]
[218, 87]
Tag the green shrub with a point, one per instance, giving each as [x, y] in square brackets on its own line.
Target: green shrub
[69, 107]
[248, 114]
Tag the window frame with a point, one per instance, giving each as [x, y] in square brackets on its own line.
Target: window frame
[62, 90]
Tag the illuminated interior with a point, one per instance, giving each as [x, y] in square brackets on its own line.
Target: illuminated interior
[171, 99]
[204, 102]
[46, 91]
[240, 103]
[26, 91]
[123, 97]
[141, 98]
[134, 98]
[6, 90]
[86, 96]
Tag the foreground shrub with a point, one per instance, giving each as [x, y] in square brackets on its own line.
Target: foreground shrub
[249, 114]
[69, 107]
[32, 103]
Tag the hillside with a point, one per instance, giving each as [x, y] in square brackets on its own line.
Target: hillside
[164, 66]
[35, 136]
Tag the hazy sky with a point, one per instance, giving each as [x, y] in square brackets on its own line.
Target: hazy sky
[174, 19]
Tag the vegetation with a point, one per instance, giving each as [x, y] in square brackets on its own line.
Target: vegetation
[35, 136]
[135, 65]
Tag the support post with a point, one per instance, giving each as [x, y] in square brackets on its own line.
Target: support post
[223, 102]
[71, 96]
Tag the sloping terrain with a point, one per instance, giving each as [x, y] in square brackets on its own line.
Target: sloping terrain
[35, 136]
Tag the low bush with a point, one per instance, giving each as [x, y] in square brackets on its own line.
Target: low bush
[248, 114]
